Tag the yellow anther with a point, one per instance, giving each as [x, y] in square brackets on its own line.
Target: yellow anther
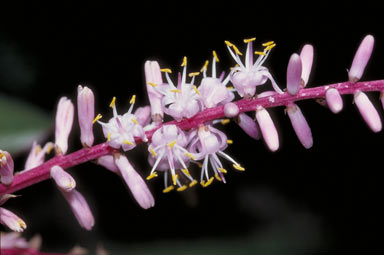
[225, 121]
[270, 47]
[190, 155]
[202, 183]
[230, 87]
[196, 90]
[175, 90]
[238, 167]
[182, 188]
[209, 182]
[2, 155]
[217, 176]
[237, 50]
[152, 84]
[186, 172]
[229, 43]
[134, 120]
[184, 61]
[193, 74]
[174, 178]
[37, 150]
[268, 43]
[229, 141]
[22, 224]
[133, 99]
[205, 66]
[222, 170]
[112, 104]
[170, 145]
[249, 40]
[193, 183]
[199, 164]
[168, 189]
[109, 136]
[99, 116]
[152, 175]
[166, 70]
[49, 149]
[260, 53]
[127, 142]
[153, 152]
[215, 56]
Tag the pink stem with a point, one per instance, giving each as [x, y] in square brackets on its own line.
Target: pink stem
[41, 172]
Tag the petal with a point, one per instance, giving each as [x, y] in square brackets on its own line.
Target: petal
[306, 56]
[268, 129]
[368, 111]
[143, 115]
[294, 74]
[249, 126]
[362, 56]
[334, 100]
[300, 125]
[108, 162]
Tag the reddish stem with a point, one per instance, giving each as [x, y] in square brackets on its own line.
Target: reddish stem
[41, 172]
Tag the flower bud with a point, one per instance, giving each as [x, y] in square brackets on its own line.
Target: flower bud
[11, 220]
[153, 79]
[300, 125]
[294, 74]
[64, 121]
[367, 111]
[268, 129]
[334, 100]
[86, 113]
[249, 126]
[80, 208]
[108, 162]
[362, 56]
[306, 56]
[63, 179]
[231, 110]
[6, 167]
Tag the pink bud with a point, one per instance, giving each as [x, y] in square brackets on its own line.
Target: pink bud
[367, 111]
[80, 208]
[334, 100]
[36, 156]
[108, 162]
[143, 115]
[294, 74]
[63, 179]
[64, 120]
[362, 56]
[86, 114]
[11, 220]
[300, 125]
[6, 167]
[135, 183]
[231, 110]
[249, 126]
[268, 129]
[306, 56]
[153, 79]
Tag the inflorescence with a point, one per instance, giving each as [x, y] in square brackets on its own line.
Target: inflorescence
[192, 137]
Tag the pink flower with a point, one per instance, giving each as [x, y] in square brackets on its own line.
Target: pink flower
[6, 167]
[64, 121]
[11, 220]
[86, 114]
[36, 156]
[368, 111]
[121, 130]
[64, 181]
[134, 181]
[362, 56]
[207, 143]
[168, 154]
[246, 77]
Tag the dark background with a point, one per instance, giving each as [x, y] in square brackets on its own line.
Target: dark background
[324, 200]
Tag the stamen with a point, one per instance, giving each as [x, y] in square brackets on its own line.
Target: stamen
[196, 90]
[268, 43]
[109, 136]
[168, 189]
[37, 150]
[225, 121]
[127, 142]
[152, 175]
[215, 56]
[260, 53]
[193, 183]
[229, 141]
[175, 90]
[190, 155]
[249, 40]
[217, 176]
[170, 145]
[237, 50]
[184, 61]
[228, 43]
[112, 104]
[49, 148]
[135, 121]
[133, 99]
[206, 184]
[238, 167]
[2, 155]
[153, 152]
[152, 84]
[166, 70]
[270, 47]
[205, 66]
[186, 172]
[174, 178]
[99, 116]
[193, 74]
[230, 87]
[182, 188]
[222, 170]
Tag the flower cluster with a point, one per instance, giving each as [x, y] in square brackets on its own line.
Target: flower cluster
[197, 102]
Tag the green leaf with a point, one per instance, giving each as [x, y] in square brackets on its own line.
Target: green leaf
[20, 124]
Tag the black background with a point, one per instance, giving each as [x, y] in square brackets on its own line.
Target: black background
[333, 189]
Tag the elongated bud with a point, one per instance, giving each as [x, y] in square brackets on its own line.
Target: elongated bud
[11, 220]
[108, 162]
[36, 156]
[231, 110]
[300, 125]
[367, 111]
[306, 56]
[63, 179]
[153, 79]
[362, 56]
[64, 121]
[80, 208]
[294, 74]
[6, 167]
[268, 129]
[334, 100]
[249, 126]
[134, 181]
[86, 114]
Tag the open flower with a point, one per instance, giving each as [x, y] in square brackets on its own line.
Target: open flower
[247, 76]
[168, 155]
